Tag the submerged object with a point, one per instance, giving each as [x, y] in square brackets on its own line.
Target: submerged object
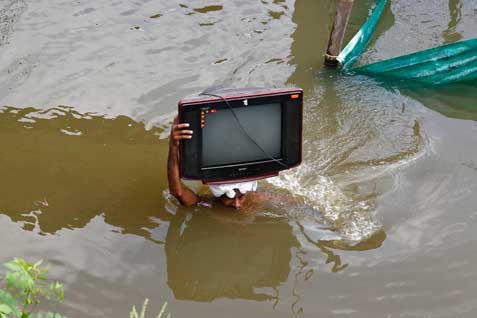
[456, 62]
[335, 42]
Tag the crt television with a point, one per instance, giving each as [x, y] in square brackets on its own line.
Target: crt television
[241, 134]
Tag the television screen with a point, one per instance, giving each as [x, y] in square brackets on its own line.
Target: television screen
[225, 142]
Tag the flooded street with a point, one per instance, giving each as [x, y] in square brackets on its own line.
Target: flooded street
[384, 221]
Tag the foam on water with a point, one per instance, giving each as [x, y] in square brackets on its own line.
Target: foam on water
[353, 220]
[349, 147]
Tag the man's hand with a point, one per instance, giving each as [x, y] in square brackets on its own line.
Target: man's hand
[179, 132]
[177, 189]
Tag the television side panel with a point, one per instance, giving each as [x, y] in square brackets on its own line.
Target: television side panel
[190, 149]
[293, 131]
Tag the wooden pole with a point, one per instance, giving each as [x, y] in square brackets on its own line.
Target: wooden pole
[343, 11]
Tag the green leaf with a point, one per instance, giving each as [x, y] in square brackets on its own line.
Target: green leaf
[133, 313]
[162, 310]
[37, 264]
[57, 290]
[19, 279]
[5, 309]
[14, 267]
[22, 262]
[144, 307]
[28, 283]
[7, 299]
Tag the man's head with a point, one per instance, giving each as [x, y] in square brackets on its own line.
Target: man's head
[233, 194]
[235, 202]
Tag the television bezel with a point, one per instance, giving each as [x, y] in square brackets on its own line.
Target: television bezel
[238, 172]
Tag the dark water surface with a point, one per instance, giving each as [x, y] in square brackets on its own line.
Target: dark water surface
[384, 220]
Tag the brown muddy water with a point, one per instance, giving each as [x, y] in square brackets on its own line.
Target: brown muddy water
[385, 219]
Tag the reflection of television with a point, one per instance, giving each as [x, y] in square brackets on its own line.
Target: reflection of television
[241, 134]
[210, 257]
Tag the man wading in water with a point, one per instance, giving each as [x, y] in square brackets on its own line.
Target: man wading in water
[236, 195]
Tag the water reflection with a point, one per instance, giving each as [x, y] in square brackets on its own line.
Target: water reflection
[455, 12]
[212, 255]
[331, 247]
[61, 168]
[454, 100]
[208, 9]
[313, 21]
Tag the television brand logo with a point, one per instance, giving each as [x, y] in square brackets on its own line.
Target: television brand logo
[242, 169]
[245, 102]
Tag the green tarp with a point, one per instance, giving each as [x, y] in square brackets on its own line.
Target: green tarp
[358, 43]
[440, 65]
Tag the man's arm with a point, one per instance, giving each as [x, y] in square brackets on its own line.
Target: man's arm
[186, 196]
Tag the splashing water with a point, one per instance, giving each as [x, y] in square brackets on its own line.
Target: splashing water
[353, 219]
